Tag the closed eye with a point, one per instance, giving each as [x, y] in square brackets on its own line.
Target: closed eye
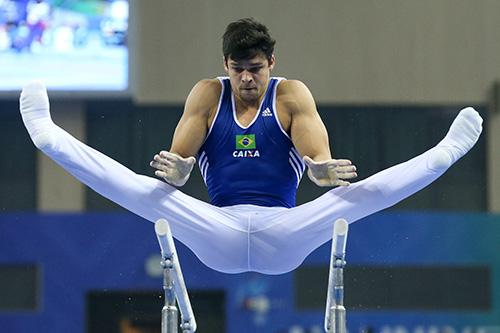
[251, 69]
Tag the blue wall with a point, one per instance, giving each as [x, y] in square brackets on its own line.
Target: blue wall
[107, 252]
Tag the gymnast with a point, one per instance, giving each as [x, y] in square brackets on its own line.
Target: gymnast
[253, 136]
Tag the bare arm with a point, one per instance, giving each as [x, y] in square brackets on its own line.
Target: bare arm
[193, 125]
[310, 137]
[176, 165]
[307, 131]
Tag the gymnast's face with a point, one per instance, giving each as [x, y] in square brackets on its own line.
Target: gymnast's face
[249, 77]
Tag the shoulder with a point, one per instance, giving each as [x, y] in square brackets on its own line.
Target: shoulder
[204, 96]
[291, 87]
[208, 90]
[293, 95]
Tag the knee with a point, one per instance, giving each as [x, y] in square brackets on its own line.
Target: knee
[439, 159]
[44, 141]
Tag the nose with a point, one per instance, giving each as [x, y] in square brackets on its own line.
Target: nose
[246, 76]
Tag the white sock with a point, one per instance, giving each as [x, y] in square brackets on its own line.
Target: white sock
[35, 111]
[461, 137]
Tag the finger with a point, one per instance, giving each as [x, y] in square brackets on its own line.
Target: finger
[348, 168]
[342, 183]
[162, 166]
[190, 160]
[163, 153]
[156, 165]
[170, 156]
[347, 175]
[164, 161]
[161, 174]
[341, 162]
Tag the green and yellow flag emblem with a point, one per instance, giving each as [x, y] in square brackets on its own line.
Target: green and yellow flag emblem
[245, 141]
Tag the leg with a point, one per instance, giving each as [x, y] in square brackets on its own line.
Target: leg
[204, 228]
[308, 226]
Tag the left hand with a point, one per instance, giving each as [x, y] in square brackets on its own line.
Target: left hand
[330, 172]
[172, 167]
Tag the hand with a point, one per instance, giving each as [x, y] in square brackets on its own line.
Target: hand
[172, 167]
[330, 172]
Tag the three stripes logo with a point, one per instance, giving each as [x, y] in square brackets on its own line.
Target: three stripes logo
[266, 113]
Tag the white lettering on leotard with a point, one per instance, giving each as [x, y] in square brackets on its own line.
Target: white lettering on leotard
[246, 153]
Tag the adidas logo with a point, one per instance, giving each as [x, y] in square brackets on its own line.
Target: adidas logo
[266, 113]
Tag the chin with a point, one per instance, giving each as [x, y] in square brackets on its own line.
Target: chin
[249, 97]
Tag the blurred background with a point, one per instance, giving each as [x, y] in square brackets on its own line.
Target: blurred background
[388, 76]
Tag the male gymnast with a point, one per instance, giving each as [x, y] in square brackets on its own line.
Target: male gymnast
[253, 136]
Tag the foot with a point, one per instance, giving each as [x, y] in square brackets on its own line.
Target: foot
[462, 136]
[35, 111]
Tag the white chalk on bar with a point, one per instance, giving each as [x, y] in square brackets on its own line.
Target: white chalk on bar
[340, 230]
[164, 236]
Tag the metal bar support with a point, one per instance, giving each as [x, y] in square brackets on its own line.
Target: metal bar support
[335, 312]
[173, 285]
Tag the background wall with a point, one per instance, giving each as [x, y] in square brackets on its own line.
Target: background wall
[390, 51]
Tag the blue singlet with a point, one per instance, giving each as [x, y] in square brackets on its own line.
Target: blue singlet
[257, 164]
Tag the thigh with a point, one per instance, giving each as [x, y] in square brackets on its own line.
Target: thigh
[212, 233]
[293, 234]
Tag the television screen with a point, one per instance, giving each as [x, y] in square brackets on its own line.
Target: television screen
[71, 45]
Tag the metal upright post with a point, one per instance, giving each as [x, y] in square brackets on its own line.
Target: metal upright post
[173, 285]
[169, 313]
[335, 312]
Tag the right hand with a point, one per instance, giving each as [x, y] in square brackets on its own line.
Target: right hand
[330, 172]
[172, 167]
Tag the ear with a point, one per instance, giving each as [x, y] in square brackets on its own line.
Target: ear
[224, 60]
[272, 62]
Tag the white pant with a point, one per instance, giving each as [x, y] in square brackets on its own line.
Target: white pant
[244, 237]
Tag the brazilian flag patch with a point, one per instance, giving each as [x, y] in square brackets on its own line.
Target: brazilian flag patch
[245, 141]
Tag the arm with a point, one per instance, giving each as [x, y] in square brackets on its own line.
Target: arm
[310, 137]
[175, 165]
[194, 123]
[307, 131]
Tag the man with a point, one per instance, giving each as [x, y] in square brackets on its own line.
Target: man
[275, 133]
[252, 134]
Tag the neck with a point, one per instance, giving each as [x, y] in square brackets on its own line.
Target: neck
[249, 104]
[244, 104]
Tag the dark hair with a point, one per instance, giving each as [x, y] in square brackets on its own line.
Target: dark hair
[246, 38]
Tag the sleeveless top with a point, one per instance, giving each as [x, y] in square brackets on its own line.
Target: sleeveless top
[257, 164]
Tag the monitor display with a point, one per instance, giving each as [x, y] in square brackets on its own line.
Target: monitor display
[71, 45]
